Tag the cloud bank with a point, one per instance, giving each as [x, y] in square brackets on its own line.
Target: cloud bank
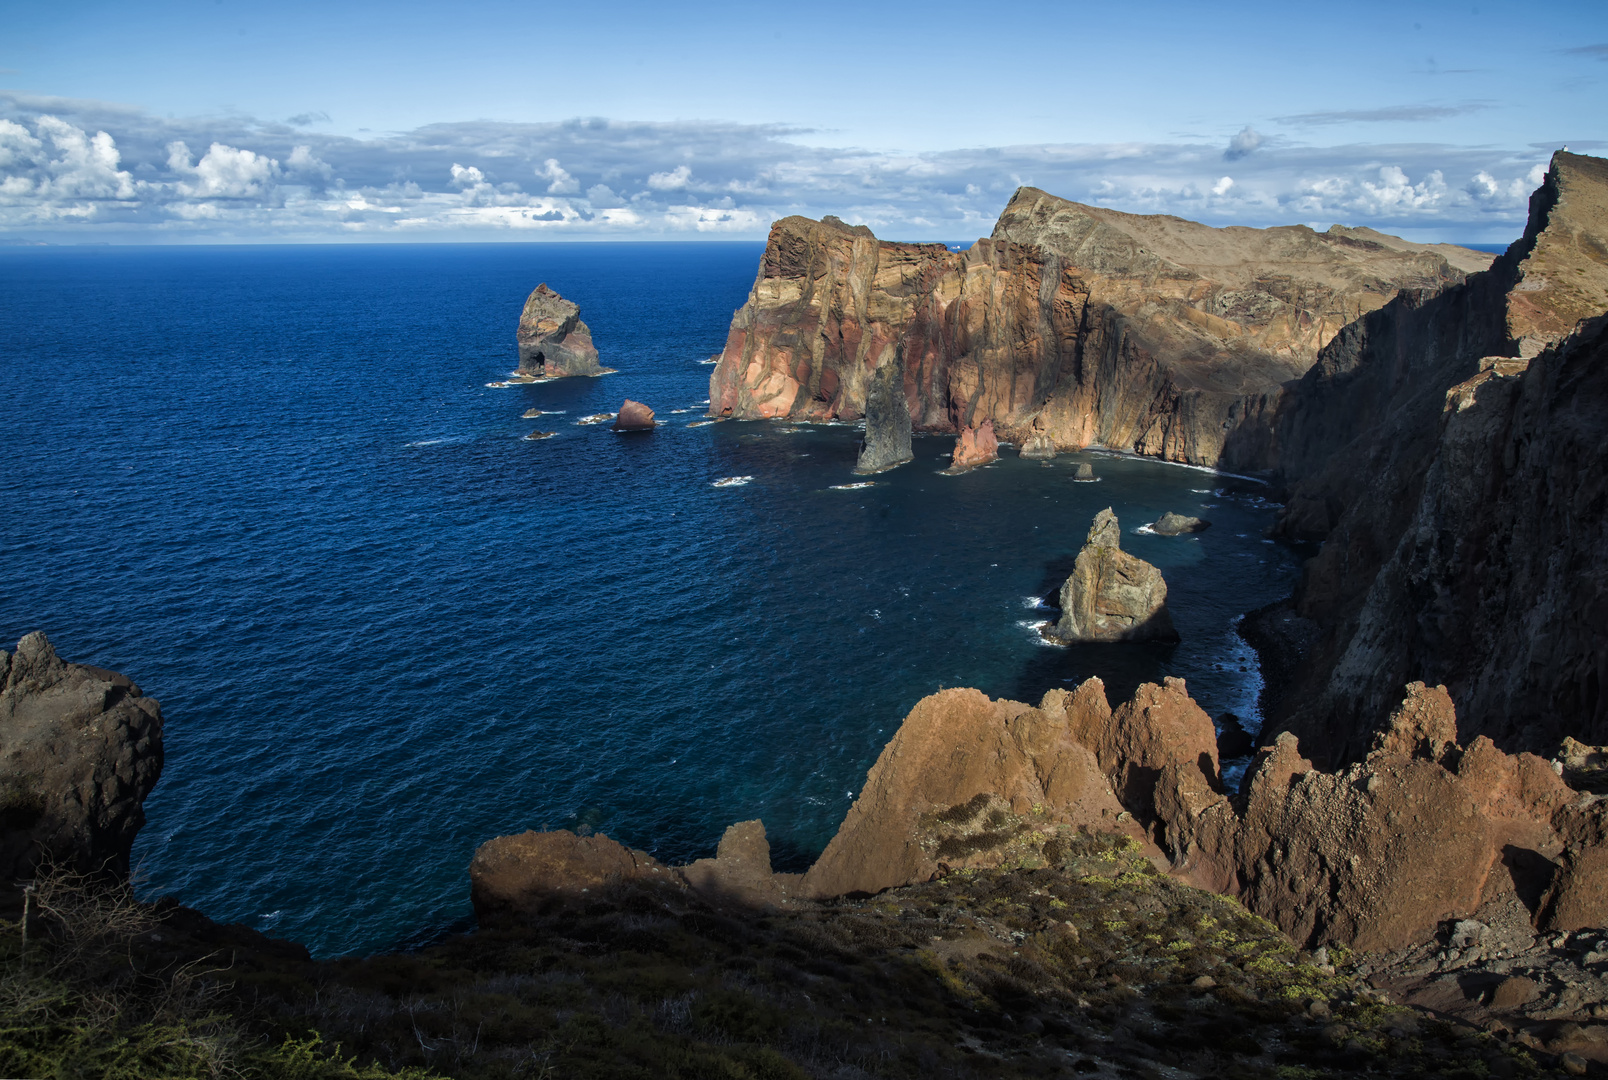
[89, 171]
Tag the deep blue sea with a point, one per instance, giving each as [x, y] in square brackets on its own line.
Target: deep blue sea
[272, 485]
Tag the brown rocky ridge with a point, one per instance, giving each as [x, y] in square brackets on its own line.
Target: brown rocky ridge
[1111, 595]
[553, 341]
[1072, 325]
[1448, 449]
[975, 446]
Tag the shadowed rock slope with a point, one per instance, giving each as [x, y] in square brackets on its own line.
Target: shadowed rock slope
[1072, 325]
[1450, 451]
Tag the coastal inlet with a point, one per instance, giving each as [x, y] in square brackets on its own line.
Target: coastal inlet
[384, 625]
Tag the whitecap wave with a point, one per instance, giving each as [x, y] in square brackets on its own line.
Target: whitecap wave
[596, 418]
[1037, 627]
[731, 481]
[711, 360]
[700, 423]
[856, 486]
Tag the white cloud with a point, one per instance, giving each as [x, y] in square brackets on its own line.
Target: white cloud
[1221, 187]
[674, 180]
[562, 182]
[224, 172]
[1242, 144]
[467, 177]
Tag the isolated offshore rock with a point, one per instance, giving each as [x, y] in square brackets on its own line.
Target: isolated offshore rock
[1448, 449]
[553, 341]
[1038, 445]
[532, 871]
[1085, 472]
[1085, 325]
[80, 749]
[633, 416]
[887, 421]
[1111, 595]
[1171, 524]
[975, 446]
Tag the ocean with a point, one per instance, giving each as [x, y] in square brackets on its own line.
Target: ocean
[273, 486]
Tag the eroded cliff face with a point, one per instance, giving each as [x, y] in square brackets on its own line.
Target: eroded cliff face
[1070, 326]
[1450, 450]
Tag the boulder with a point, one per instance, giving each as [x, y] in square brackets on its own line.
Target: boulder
[1111, 595]
[1085, 472]
[553, 341]
[1171, 524]
[633, 416]
[80, 749]
[1038, 445]
[975, 446]
[534, 871]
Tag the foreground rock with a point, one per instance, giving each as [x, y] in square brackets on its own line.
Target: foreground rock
[1171, 524]
[1111, 595]
[553, 341]
[974, 447]
[80, 749]
[1074, 322]
[633, 416]
[521, 875]
[1448, 449]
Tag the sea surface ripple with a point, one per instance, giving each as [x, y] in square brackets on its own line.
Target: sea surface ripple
[272, 485]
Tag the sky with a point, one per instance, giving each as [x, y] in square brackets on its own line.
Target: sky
[223, 121]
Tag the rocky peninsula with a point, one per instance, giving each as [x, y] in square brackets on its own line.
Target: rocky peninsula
[1070, 326]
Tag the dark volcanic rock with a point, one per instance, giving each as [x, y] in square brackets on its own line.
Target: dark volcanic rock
[887, 421]
[1111, 595]
[553, 341]
[1081, 324]
[633, 416]
[80, 749]
[1453, 459]
[1171, 524]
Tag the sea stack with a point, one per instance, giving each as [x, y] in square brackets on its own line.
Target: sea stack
[887, 422]
[634, 416]
[553, 341]
[975, 446]
[1171, 524]
[1111, 595]
[1038, 445]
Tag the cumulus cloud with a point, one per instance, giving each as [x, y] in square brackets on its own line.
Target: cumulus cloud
[81, 170]
[1242, 144]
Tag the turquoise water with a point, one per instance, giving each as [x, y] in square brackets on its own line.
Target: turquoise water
[272, 486]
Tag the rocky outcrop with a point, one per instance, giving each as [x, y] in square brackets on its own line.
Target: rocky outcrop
[975, 446]
[532, 872]
[553, 341]
[1449, 449]
[1111, 595]
[740, 872]
[1375, 856]
[1039, 445]
[80, 749]
[887, 420]
[1074, 323]
[1171, 524]
[633, 416]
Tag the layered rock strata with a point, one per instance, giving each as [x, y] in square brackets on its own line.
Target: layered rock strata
[80, 749]
[1449, 449]
[1111, 595]
[553, 341]
[1072, 325]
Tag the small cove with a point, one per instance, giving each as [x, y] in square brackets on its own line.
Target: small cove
[274, 487]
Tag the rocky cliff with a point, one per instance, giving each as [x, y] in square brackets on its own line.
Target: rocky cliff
[1449, 449]
[80, 749]
[1072, 325]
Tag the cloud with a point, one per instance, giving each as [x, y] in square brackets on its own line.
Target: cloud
[307, 118]
[1596, 52]
[670, 181]
[82, 170]
[1393, 114]
[1242, 144]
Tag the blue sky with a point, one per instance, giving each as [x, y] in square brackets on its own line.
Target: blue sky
[217, 120]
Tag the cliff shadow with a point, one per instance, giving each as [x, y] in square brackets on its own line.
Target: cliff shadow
[1121, 665]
